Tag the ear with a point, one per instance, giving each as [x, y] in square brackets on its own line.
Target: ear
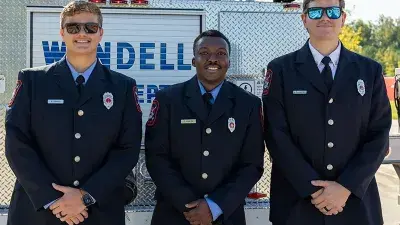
[344, 16]
[193, 64]
[229, 63]
[304, 19]
[101, 33]
[62, 33]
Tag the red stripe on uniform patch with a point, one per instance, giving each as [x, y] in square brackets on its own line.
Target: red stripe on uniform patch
[153, 113]
[136, 98]
[15, 92]
[267, 81]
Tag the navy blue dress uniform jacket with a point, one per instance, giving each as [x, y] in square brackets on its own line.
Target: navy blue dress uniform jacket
[313, 134]
[190, 155]
[55, 136]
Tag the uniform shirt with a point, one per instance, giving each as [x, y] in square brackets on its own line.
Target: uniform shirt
[75, 74]
[334, 58]
[85, 74]
[216, 211]
[214, 92]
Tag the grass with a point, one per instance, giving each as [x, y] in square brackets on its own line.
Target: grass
[394, 111]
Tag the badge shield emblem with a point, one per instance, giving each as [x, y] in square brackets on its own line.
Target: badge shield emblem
[108, 100]
[231, 124]
[361, 87]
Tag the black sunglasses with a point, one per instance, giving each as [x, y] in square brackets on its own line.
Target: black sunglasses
[316, 13]
[74, 28]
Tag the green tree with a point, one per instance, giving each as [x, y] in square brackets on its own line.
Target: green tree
[389, 59]
[366, 30]
[351, 38]
[386, 32]
[380, 41]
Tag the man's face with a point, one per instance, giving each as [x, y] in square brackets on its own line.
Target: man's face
[211, 59]
[82, 42]
[324, 28]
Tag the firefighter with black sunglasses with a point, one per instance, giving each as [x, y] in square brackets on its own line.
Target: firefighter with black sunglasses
[74, 130]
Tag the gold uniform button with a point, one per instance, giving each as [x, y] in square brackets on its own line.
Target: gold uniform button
[204, 176]
[76, 183]
[206, 153]
[78, 135]
[77, 159]
[329, 167]
[80, 113]
[331, 122]
[208, 130]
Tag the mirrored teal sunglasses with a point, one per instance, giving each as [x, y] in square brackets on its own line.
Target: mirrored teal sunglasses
[316, 13]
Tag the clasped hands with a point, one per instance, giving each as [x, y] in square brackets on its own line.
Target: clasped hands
[331, 198]
[70, 207]
[199, 213]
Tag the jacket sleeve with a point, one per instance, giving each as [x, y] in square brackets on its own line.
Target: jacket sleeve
[21, 149]
[164, 172]
[362, 168]
[278, 137]
[247, 170]
[123, 157]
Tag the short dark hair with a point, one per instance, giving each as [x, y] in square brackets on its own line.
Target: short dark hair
[211, 33]
[306, 3]
[76, 7]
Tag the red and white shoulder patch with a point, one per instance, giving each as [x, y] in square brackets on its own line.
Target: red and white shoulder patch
[267, 82]
[15, 92]
[136, 99]
[155, 106]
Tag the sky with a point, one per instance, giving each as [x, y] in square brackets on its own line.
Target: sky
[371, 9]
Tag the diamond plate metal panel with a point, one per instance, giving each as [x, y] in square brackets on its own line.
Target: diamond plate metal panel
[146, 188]
[258, 32]
[6, 176]
[259, 37]
[12, 57]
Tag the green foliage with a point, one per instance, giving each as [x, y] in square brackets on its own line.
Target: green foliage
[380, 41]
[351, 38]
[394, 110]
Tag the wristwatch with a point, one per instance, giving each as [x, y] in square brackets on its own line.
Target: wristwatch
[87, 199]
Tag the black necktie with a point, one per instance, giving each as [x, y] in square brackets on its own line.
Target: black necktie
[80, 80]
[207, 101]
[327, 72]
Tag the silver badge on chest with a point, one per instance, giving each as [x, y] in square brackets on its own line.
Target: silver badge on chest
[108, 100]
[361, 87]
[231, 124]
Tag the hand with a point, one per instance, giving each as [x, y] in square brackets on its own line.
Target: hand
[318, 193]
[324, 210]
[199, 214]
[70, 205]
[76, 220]
[333, 198]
